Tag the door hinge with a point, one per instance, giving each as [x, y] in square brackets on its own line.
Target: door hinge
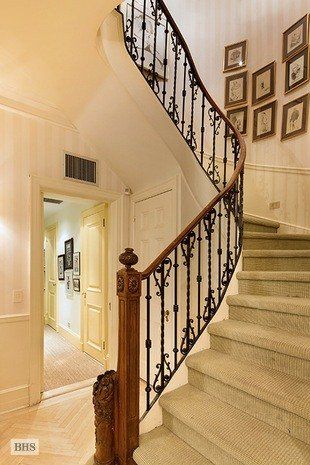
[103, 222]
[103, 345]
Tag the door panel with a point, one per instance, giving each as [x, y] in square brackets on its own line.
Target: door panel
[154, 229]
[94, 282]
[51, 276]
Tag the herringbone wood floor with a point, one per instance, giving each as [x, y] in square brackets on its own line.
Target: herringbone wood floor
[63, 425]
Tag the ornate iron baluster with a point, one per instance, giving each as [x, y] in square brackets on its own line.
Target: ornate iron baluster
[175, 308]
[187, 246]
[184, 93]
[202, 130]
[148, 343]
[210, 306]
[199, 279]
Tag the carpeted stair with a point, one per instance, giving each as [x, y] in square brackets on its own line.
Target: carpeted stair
[247, 400]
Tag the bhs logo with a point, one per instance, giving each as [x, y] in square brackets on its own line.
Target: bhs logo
[24, 446]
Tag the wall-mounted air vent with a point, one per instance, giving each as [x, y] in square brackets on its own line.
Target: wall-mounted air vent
[82, 169]
[54, 201]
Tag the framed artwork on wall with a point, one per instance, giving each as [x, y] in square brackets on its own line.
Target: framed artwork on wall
[69, 283]
[297, 70]
[296, 38]
[264, 124]
[236, 89]
[61, 267]
[69, 254]
[239, 118]
[76, 284]
[295, 117]
[235, 56]
[76, 264]
[264, 83]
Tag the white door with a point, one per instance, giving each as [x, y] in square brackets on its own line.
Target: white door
[94, 273]
[154, 229]
[51, 276]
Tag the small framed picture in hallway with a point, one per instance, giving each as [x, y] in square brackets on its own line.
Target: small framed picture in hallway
[297, 70]
[295, 117]
[61, 267]
[76, 264]
[69, 254]
[236, 89]
[296, 38]
[76, 284]
[264, 124]
[239, 117]
[69, 283]
[235, 56]
[264, 83]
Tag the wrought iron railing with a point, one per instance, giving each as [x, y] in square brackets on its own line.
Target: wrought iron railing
[184, 286]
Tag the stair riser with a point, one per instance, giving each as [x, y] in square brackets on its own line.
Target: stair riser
[276, 264]
[262, 410]
[287, 364]
[296, 323]
[251, 227]
[281, 288]
[198, 442]
[251, 243]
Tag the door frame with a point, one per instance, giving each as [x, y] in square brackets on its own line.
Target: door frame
[92, 211]
[48, 228]
[118, 239]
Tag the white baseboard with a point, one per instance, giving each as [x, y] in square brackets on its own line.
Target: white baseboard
[284, 227]
[71, 337]
[14, 398]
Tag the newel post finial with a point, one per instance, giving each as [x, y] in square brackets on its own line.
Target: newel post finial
[128, 369]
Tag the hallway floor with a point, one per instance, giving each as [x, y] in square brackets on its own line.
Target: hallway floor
[64, 364]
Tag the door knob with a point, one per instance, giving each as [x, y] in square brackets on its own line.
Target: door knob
[167, 313]
[84, 295]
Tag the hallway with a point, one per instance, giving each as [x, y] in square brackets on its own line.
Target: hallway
[64, 364]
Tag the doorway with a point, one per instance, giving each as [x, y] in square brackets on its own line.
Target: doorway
[75, 292]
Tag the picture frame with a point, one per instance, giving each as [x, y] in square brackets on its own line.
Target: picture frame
[69, 247]
[235, 56]
[264, 83]
[295, 117]
[61, 267]
[69, 284]
[239, 118]
[76, 264]
[264, 121]
[76, 285]
[162, 71]
[236, 89]
[297, 70]
[295, 38]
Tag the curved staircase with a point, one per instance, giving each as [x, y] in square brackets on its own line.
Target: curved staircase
[247, 400]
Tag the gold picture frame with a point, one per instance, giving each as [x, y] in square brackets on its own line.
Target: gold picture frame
[295, 38]
[235, 56]
[295, 117]
[239, 118]
[236, 89]
[264, 83]
[264, 121]
[297, 70]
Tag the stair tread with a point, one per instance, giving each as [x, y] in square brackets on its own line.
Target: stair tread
[243, 437]
[277, 253]
[285, 342]
[162, 447]
[277, 388]
[261, 221]
[293, 305]
[296, 276]
[278, 236]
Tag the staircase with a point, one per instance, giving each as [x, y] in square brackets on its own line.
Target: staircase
[247, 400]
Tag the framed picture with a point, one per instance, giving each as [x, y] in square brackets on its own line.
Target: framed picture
[61, 267]
[76, 284]
[69, 283]
[296, 38]
[264, 124]
[264, 83]
[76, 264]
[69, 254]
[149, 36]
[236, 89]
[235, 56]
[297, 70]
[239, 118]
[295, 117]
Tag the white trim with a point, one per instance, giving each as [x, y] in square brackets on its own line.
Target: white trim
[283, 223]
[70, 336]
[118, 239]
[7, 318]
[14, 398]
[272, 168]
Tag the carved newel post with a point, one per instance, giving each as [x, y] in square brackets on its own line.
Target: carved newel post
[128, 371]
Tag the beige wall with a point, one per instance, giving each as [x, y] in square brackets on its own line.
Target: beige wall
[281, 170]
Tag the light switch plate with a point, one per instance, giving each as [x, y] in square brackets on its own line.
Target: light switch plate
[18, 296]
